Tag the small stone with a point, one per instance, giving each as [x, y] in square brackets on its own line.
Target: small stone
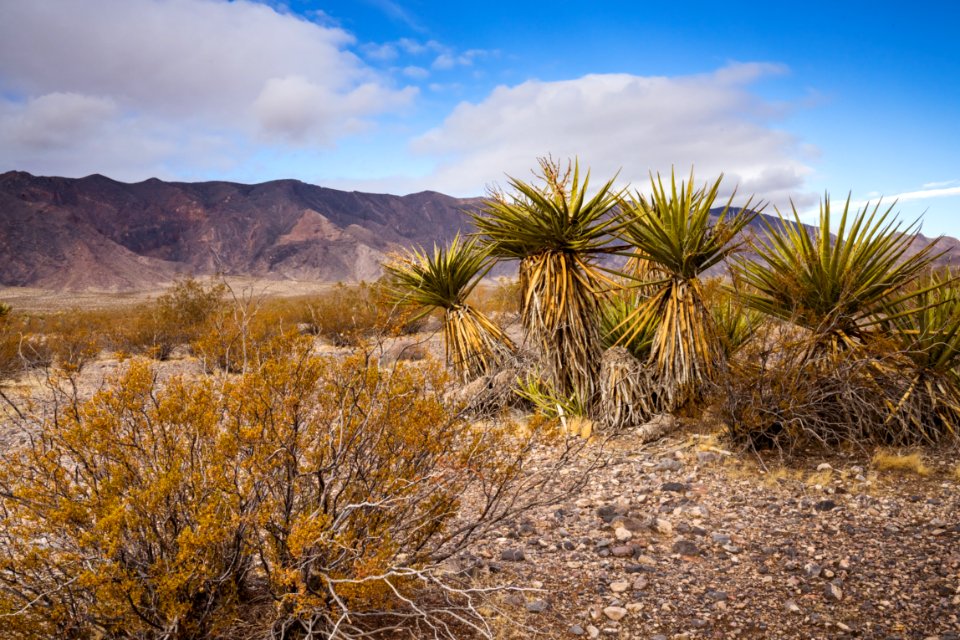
[669, 464]
[537, 606]
[647, 561]
[716, 596]
[622, 534]
[593, 632]
[576, 630]
[833, 592]
[685, 548]
[640, 584]
[663, 526]
[512, 555]
[812, 570]
[824, 466]
[619, 586]
[634, 607]
[825, 505]
[515, 599]
[720, 538]
[659, 636]
[615, 613]
[792, 606]
[622, 551]
[843, 627]
[675, 487]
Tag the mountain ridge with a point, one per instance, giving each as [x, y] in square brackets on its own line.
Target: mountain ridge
[96, 233]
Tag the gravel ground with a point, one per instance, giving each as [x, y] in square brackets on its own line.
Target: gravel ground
[682, 540]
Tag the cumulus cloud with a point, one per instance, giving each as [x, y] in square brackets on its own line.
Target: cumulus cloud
[713, 122]
[178, 68]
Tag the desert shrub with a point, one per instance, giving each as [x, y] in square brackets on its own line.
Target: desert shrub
[500, 300]
[177, 317]
[347, 314]
[307, 498]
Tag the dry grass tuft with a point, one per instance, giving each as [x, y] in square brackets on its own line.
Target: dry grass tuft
[884, 460]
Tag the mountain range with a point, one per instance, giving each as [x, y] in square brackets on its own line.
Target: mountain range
[100, 234]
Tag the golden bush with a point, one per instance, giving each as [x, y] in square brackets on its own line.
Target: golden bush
[305, 498]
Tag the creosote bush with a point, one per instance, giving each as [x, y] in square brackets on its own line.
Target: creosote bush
[310, 497]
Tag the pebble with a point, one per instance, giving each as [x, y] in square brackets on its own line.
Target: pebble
[792, 606]
[825, 505]
[512, 555]
[537, 606]
[615, 613]
[663, 526]
[619, 586]
[593, 632]
[576, 630]
[622, 534]
[675, 487]
[833, 592]
[685, 548]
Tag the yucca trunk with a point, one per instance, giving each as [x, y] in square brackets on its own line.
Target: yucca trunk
[686, 350]
[627, 396]
[560, 314]
[474, 345]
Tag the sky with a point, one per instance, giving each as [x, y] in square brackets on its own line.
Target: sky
[789, 101]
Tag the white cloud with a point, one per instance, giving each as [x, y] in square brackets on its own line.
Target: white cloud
[923, 194]
[640, 124]
[937, 185]
[178, 69]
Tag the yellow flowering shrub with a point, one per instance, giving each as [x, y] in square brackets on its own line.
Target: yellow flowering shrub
[309, 497]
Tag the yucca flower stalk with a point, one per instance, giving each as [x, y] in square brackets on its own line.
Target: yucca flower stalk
[474, 345]
[675, 239]
[556, 233]
[840, 286]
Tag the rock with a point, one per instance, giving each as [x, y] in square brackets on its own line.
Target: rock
[634, 607]
[720, 538]
[669, 464]
[812, 570]
[792, 606]
[576, 630]
[619, 586]
[706, 457]
[716, 596]
[515, 599]
[593, 632]
[825, 505]
[685, 548]
[640, 584]
[608, 512]
[833, 592]
[512, 555]
[622, 551]
[675, 487]
[615, 613]
[537, 606]
[824, 466]
[663, 526]
[622, 534]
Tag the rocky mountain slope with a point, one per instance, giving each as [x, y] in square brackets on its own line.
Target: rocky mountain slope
[99, 234]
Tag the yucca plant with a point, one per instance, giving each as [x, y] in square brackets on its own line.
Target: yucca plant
[840, 286]
[735, 324]
[556, 232]
[927, 331]
[674, 236]
[474, 345]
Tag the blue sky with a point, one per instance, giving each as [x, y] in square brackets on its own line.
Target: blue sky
[404, 95]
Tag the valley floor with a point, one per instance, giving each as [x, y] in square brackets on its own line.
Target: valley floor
[681, 540]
